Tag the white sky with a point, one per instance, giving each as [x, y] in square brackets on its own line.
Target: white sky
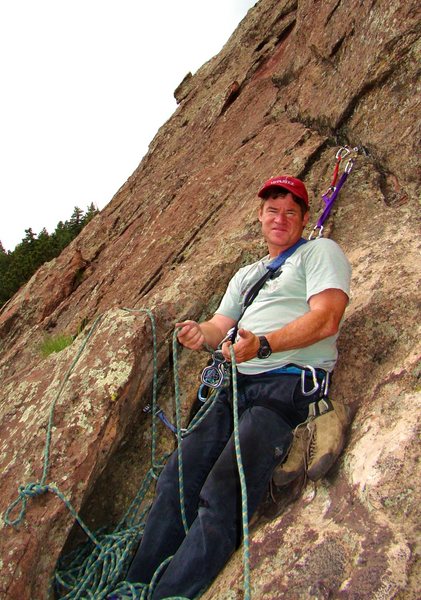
[85, 85]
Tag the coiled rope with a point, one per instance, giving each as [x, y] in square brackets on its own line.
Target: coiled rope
[94, 570]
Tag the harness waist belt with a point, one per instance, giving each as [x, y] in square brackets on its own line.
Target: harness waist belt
[293, 370]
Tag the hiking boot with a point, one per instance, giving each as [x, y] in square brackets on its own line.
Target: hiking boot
[294, 464]
[327, 438]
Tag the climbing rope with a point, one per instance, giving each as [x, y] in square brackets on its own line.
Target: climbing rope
[33, 489]
[94, 570]
[178, 425]
[244, 508]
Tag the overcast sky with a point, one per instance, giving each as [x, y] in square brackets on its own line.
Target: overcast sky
[85, 85]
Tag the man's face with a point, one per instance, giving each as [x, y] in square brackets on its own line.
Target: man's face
[282, 222]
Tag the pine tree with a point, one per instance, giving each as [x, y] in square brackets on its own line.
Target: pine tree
[18, 266]
[76, 221]
[4, 267]
[90, 213]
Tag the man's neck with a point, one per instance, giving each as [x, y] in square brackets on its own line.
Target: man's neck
[277, 250]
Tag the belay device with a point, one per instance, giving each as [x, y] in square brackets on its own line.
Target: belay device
[213, 375]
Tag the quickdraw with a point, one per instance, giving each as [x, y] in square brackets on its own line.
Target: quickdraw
[333, 190]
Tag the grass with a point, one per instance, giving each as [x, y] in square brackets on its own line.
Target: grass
[54, 343]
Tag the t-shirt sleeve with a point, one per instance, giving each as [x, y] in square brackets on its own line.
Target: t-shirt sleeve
[231, 303]
[326, 266]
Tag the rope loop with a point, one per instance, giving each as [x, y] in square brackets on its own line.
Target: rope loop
[30, 490]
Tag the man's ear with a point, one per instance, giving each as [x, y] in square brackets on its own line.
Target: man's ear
[306, 218]
[260, 213]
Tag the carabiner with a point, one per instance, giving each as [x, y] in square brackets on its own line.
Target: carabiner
[325, 385]
[351, 160]
[200, 393]
[228, 336]
[349, 166]
[316, 385]
[342, 152]
[315, 228]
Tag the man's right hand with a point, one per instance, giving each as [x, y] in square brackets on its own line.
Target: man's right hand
[190, 335]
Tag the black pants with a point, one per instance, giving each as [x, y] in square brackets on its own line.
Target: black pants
[270, 407]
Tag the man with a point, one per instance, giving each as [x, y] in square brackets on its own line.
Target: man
[292, 323]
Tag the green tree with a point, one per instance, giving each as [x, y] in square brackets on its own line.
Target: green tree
[76, 221]
[90, 213]
[18, 266]
[4, 267]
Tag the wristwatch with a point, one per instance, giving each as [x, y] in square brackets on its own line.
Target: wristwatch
[265, 350]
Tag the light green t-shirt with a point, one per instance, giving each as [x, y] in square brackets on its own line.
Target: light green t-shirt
[315, 266]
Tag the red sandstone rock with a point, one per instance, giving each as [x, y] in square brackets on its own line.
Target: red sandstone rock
[295, 81]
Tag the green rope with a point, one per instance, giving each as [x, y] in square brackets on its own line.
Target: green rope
[193, 425]
[178, 425]
[94, 570]
[98, 574]
[33, 489]
[155, 464]
[244, 509]
[181, 433]
[202, 413]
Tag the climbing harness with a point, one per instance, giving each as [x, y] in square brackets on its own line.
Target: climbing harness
[333, 190]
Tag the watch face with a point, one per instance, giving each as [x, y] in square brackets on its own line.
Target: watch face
[264, 350]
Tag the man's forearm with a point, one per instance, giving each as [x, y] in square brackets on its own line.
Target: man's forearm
[322, 321]
[304, 331]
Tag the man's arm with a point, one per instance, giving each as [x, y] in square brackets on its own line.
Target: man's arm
[323, 319]
[193, 335]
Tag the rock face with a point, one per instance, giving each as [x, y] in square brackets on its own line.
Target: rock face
[295, 81]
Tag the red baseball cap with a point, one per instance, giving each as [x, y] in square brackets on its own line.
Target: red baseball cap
[293, 185]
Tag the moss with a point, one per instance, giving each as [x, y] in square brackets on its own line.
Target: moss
[54, 343]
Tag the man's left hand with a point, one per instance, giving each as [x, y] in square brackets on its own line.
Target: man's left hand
[244, 349]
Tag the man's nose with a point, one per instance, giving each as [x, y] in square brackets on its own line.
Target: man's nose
[280, 217]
